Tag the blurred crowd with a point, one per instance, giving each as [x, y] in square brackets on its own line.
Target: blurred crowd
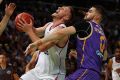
[15, 42]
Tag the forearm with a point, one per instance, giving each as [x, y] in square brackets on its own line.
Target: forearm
[16, 77]
[46, 46]
[59, 34]
[107, 73]
[3, 23]
[33, 36]
[29, 67]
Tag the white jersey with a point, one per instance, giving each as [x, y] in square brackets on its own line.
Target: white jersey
[42, 69]
[49, 66]
[115, 65]
[56, 53]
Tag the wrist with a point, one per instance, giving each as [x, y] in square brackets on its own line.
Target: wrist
[72, 49]
[8, 16]
[30, 31]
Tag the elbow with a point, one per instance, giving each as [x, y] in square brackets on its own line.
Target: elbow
[59, 34]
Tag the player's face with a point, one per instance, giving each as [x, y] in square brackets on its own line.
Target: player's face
[61, 12]
[2, 59]
[90, 14]
[117, 53]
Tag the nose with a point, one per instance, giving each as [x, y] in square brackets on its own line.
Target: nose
[86, 13]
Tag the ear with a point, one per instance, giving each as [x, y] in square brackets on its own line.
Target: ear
[66, 18]
[97, 17]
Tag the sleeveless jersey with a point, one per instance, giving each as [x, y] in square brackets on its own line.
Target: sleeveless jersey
[115, 65]
[56, 53]
[90, 49]
[51, 63]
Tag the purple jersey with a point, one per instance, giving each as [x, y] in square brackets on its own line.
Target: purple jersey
[90, 49]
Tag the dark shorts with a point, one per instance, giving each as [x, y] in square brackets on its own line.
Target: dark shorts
[84, 74]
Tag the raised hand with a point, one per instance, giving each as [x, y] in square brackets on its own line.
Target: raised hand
[24, 26]
[73, 54]
[10, 9]
[30, 49]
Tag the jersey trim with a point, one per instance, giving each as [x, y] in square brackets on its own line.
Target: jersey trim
[88, 35]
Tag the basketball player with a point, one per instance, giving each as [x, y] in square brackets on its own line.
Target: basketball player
[114, 65]
[8, 12]
[55, 67]
[90, 44]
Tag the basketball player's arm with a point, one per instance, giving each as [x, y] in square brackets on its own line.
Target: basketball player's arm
[60, 43]
[15, 76]
[47, 45]
[73, 54]
[82, 28]
[58, 35]
[108, 70]
[8, 12]
[31, 64]
[40, 31]
[30, 30]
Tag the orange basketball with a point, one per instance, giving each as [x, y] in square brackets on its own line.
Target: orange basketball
[25, 16]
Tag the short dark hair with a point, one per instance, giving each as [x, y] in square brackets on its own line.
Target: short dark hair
[72, 12]
[100, 10]
[116, 46]
[3, 52]
[72, 15]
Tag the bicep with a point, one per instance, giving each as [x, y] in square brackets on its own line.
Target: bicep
[65, 31]
[47, 45]
[40, 31]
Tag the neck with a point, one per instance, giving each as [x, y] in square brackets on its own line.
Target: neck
[3, 66]
[57, 22]
[96, 21]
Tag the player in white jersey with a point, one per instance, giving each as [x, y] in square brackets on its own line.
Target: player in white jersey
[57, 53]
[58, 48]
[113, 66]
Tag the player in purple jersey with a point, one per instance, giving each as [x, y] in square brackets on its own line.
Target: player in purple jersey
[90, 44]
[90, 47]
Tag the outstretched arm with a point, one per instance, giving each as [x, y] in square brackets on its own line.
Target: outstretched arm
[59, 34]
[8, 12]
[50, 39]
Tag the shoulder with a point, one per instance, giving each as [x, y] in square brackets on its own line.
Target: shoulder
[62, 26]
[47, 24]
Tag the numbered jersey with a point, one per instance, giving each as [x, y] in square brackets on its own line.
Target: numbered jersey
[90, 49]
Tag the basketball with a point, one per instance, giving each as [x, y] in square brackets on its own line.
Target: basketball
[25, 16]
